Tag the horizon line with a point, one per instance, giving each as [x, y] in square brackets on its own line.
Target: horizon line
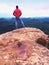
[29, 17]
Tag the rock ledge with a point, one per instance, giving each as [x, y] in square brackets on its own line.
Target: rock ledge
[19, 47]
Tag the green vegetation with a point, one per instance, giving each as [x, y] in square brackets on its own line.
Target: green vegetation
[9, 24]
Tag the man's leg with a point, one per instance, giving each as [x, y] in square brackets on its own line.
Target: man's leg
[22, 22]
[16, 23]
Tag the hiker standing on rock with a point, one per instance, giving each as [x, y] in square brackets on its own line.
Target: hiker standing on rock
[17, 13]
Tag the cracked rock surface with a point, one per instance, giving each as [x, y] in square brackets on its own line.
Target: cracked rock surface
[19, 47]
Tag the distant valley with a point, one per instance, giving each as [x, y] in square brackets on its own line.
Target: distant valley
[8, 24]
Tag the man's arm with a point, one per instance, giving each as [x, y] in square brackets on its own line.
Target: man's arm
[20, 13]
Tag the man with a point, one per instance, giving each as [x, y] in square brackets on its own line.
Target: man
[17, 13]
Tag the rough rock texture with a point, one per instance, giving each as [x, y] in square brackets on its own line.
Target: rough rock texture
[19, 47]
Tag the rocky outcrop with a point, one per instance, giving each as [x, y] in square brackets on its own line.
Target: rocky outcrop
[20, 47]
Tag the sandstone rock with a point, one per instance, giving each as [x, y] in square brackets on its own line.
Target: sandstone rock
[20, 47]
[42, 41]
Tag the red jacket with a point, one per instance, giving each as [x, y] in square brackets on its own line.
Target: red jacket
[17, 13]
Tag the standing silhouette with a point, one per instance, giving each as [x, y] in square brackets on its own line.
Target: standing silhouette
[17, 13]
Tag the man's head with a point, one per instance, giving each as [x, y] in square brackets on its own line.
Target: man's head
[17, 6]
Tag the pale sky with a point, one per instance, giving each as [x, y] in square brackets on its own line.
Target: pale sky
[30, 8]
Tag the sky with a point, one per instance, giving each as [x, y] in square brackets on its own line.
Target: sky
[29, 8]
